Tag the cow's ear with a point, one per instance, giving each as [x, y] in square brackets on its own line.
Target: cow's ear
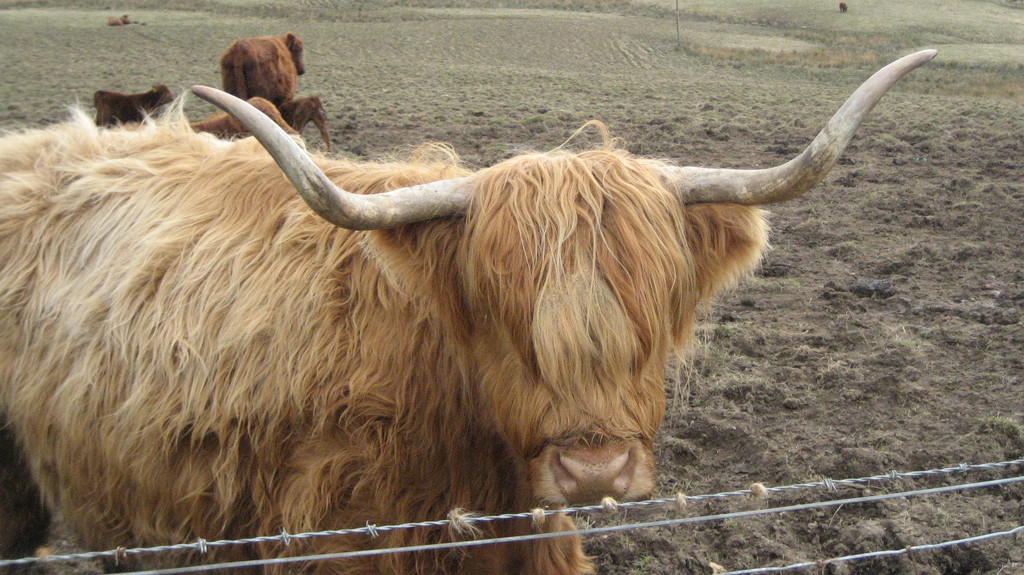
[292, 41]
[727, 242]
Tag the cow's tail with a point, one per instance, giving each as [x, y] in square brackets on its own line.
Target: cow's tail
[235, 78]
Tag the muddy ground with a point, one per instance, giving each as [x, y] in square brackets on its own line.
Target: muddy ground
[883, 331]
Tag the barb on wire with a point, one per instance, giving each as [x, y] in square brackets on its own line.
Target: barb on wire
[679, 501]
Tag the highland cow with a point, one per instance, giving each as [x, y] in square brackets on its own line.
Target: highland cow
[265, 66]
[190, 350]
[117, 108]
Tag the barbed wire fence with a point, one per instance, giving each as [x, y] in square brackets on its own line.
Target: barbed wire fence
[463, 523]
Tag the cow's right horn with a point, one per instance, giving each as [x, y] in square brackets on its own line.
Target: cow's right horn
[344, 209]
[790, 180]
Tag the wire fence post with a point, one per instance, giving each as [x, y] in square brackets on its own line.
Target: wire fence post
[679, 44]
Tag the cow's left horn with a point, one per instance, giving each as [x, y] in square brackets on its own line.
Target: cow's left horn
[790, 180]
[341, 208]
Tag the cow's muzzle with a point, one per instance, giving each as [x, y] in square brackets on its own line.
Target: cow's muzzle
[585, 474]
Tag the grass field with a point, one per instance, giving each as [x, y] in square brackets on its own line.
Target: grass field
[797, 375]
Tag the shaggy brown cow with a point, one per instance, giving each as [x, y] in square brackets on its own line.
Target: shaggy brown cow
[118, 20]
[843, 7]
[187, 349]
[301, 111]
[115, 107]
[223, 125]
[265, 66]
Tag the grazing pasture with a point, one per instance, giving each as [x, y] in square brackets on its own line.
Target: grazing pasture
[883, 331]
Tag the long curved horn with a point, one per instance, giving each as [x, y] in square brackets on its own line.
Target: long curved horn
[771, 185]
[341, 208]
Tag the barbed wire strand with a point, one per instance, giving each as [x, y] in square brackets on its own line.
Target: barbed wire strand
[585, 531]
[876, 554]
[374, 531]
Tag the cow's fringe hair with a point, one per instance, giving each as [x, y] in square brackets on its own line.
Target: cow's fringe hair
[595, 273]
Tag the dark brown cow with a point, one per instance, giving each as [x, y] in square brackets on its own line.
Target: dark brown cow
[223, 125]
[265, 66]
[188, 350]
[115, 107]
[843, 7]
[301, 111]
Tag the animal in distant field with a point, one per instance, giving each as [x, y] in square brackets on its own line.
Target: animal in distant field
[118, 20]
[189, 349]
[843, 7]
[223, 125]
[265, 66]
[115, 107]
[301, 111]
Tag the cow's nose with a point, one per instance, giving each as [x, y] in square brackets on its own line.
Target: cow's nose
[590, 473]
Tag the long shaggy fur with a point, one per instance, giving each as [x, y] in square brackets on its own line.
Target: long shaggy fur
[187, 351]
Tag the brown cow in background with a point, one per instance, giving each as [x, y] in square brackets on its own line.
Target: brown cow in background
[265, 66]
[118, 20]
[301, 111]
[843, 7]
[115, 107]
[223, 125]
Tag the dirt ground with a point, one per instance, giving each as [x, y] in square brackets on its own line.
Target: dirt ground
[882, 332]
